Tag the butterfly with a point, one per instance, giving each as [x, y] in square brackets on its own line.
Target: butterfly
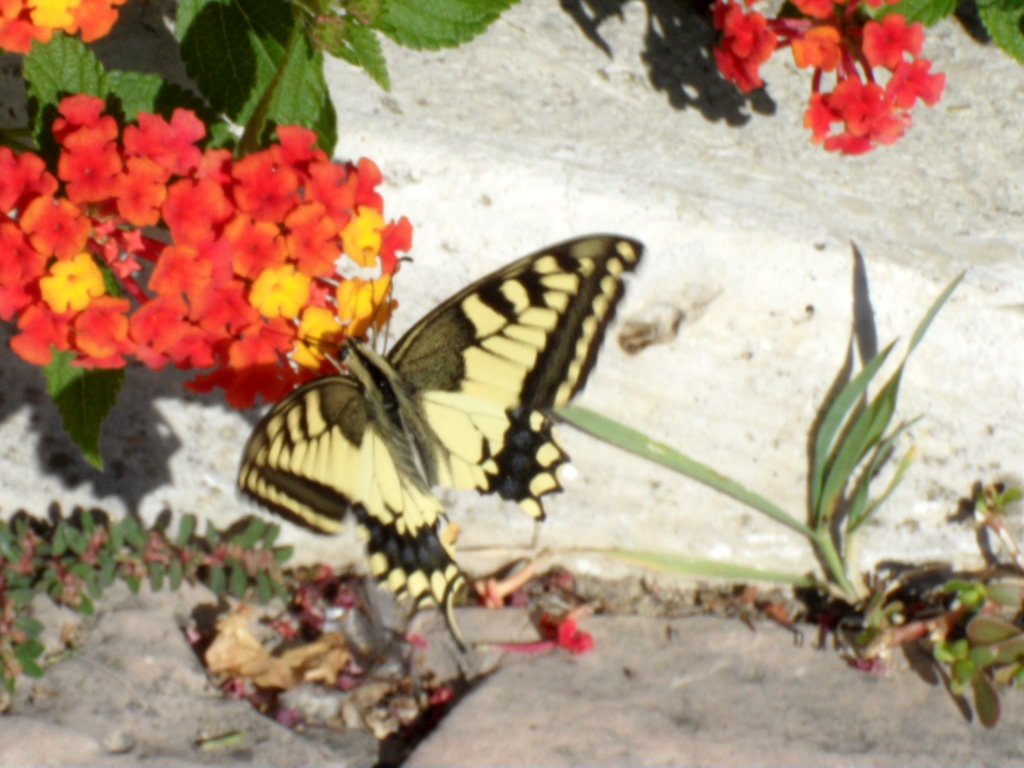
[463, 400]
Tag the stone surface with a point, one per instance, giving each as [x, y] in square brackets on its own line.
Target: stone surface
[708, 691]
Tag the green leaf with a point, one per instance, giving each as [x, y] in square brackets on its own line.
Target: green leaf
[699, 566]
[133, 534]
[60, 539]
[986, 700]
[107, 572]
[629, 439]
[84, 397]
[1006, 593]
[218, 580]
[985, 630]
[85, 606]
[185, 529]
[252, 62]
[238, 581]
[270, 535]
[26, 653]
[928, 12]
[1005, 22]
[349, 39]
[59, 68]
[175, 572]
[264, 587]
[212, 535]
[281, 554]
[156, 576]
[252, 533]
[28, 625]
[836, 415]
[21, 597]
[434, 24]
[88, 523]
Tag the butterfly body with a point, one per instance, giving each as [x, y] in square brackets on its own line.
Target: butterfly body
[461, 401]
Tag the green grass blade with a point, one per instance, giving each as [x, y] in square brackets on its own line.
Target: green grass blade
[836, 415]
[636, 442]
[702, 567]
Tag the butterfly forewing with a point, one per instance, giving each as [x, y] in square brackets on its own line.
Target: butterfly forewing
[489, 361]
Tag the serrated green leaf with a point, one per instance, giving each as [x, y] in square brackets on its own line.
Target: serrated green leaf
[1005, 22]
[84, 397]
[356, 43]
[52, 70]
[218, 580]
[928, 12]
[254, 64]
[252, 533]
[433, 24]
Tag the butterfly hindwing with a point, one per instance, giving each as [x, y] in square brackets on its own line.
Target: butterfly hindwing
[319, 454]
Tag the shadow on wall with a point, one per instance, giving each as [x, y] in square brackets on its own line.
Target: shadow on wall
[678, 54]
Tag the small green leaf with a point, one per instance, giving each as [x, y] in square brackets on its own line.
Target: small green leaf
[26, 653]
[264, 587]
[985, 630]
[156, 576]
[107, 573]
[85, 606]
[218, 580]
[84, 397]
[986, 700]
[239, 582]
[88, 523]
[281, 554]
[252, 533]
[212, 535]
[175, 573]
[270, 536]
[133, 534]
[60, 540]
[28, 625]
[1011, 651]
[434, 24]
[1010, 594]
[185, 529]
[981, 656]
[77, 541]
[133, 583]
[21, 597]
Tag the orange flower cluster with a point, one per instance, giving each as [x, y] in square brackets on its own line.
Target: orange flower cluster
[250, 275]
[22, 21]
[836, 37]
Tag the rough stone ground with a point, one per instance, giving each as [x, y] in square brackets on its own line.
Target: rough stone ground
[548, 126]
[692, 691]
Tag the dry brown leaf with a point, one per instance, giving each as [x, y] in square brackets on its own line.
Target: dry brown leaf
[236, 651]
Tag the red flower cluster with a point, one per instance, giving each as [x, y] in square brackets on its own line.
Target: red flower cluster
[859, 113]
[250, 274]
[22, 21]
